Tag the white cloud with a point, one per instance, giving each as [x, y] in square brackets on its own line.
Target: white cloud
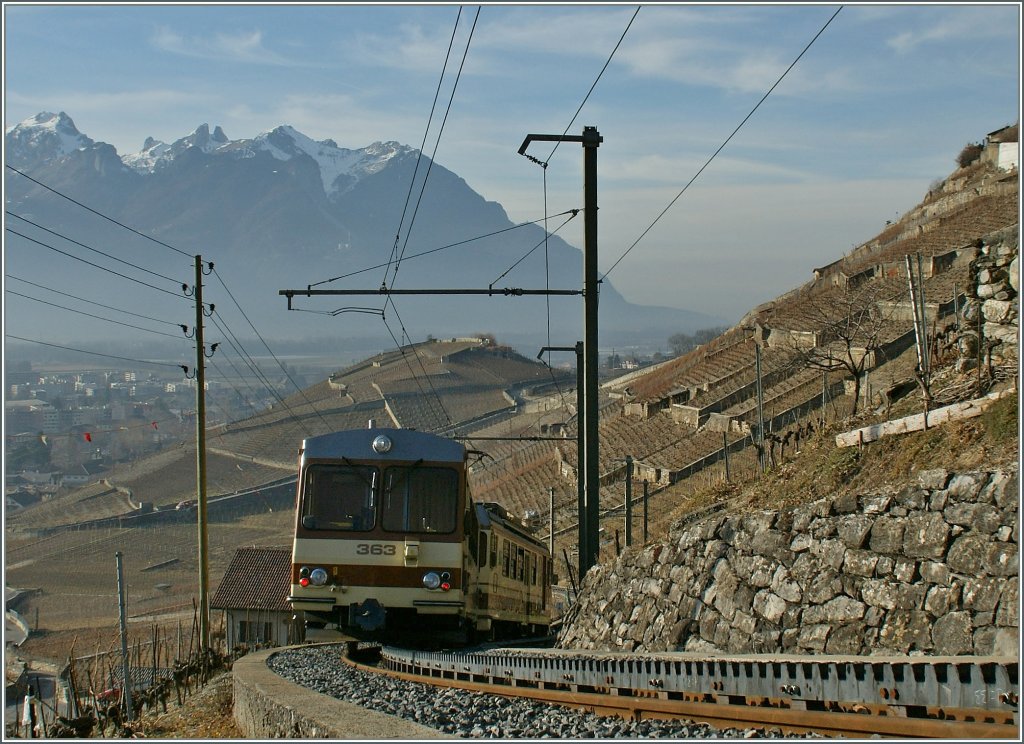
[962, 25]
[238, 46]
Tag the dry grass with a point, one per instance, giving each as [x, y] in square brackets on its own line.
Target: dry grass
[823, 470]
[205, 715]
[74, 575]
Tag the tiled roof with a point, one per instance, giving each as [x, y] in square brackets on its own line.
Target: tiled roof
[257, 578]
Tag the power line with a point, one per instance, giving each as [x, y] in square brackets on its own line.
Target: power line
[267, 347]
[260, 375]
[94, 250]
[90, 315]
[411, 370]
[98, 214]
[419, 157]
[586, 97]
[722, 146]
[529, 252]
[96, 353]
[437, 144]
[94, 265]
[91, 302]
[235, 344]
[444, 247]
[242, 378]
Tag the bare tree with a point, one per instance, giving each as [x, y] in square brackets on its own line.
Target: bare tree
[851, 327]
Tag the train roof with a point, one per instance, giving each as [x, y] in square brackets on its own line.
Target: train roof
[406, 445]
[490, 512]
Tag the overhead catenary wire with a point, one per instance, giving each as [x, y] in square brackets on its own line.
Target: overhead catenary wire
[412, 371]
[443, 248]
[726, 142]
[594, 85]
[543, 242]
[419, 156]
[95, 212]
[544, 167]
[389, 300]
[433, 154]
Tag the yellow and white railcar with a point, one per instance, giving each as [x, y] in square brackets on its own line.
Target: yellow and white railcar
[387, 544]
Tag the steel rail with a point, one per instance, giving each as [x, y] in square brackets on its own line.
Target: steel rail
[710, 694]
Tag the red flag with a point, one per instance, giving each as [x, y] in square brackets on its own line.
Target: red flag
[155, 426]
[88, 437]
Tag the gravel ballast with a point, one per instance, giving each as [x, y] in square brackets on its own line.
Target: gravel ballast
[472, 714]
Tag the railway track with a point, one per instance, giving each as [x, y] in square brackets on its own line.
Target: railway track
[905, 697]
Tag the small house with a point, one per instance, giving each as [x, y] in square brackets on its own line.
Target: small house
[253, 596]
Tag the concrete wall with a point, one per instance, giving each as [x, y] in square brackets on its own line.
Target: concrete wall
[931, 568]
[267, 706]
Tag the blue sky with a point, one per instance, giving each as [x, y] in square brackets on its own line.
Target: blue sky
[876, 110]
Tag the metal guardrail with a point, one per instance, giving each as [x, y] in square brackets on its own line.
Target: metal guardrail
[978, 683]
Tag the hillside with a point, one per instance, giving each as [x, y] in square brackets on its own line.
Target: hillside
[680, 419]
[686, 423]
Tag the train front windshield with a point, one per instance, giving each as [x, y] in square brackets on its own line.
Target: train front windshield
[405, 499]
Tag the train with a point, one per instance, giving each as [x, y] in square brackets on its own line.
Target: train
[389, 546]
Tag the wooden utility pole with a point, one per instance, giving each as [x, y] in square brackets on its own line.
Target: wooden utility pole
[204, 560]
[122, 623]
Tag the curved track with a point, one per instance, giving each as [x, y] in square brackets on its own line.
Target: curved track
[929, 697]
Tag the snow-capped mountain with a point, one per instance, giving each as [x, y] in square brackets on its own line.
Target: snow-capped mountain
[49, 137]
[281, 210]
[43, 137]
[340, 168]
[155, 153]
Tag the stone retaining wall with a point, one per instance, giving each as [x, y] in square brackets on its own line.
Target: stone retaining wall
[932, 568]
[995, 277]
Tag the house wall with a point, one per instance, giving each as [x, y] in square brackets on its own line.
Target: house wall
[262, 628]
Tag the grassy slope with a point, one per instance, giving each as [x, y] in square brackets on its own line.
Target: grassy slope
[823, 470]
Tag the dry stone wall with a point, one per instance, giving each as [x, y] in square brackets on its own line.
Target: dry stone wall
[932, 568]
[994, 306]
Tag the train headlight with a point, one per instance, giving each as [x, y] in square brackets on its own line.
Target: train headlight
[431, 580]
[381, 444]
[318, 577]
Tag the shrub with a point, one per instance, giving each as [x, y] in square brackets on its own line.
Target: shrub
[970, 154]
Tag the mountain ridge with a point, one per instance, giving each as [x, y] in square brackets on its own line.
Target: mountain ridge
[282, 210]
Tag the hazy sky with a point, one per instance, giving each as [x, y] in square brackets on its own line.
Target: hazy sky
[874, 111]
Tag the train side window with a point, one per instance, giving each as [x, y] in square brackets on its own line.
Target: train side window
[472, 532]
[520, 563]
[483, 550]
[494, 550]
[338, 498]
[505, 557]
[533, 570]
